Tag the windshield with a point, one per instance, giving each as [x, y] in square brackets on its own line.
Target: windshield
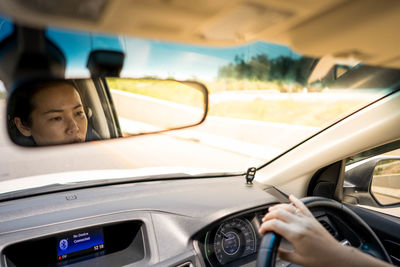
[264, 99]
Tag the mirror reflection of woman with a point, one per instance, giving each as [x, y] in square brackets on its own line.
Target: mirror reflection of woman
[50, 113]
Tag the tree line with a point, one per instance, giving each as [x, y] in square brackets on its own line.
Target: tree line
[282, 69]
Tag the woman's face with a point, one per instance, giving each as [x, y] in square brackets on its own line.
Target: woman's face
[58, 116]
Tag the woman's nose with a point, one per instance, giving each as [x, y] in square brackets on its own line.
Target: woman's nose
[72, 126]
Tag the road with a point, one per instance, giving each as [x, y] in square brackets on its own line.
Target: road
[386, 199]
[136, 152]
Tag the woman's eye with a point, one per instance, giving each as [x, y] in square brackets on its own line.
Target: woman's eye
[58, 118]
[80, 113]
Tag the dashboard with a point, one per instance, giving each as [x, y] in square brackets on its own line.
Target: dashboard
[165, 222]
[182, 222]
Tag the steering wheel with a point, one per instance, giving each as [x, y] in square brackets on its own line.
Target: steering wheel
[370, 243]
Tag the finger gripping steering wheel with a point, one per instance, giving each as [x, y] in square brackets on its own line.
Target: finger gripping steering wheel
[270, 242]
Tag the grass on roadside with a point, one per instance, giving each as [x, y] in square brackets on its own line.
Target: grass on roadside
[165, 90]
[306, 113]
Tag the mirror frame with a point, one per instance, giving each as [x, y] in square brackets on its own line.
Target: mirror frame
[372, 178]
[112, 112]
[360, 177]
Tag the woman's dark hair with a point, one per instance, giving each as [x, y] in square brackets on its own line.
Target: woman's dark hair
[20, 105]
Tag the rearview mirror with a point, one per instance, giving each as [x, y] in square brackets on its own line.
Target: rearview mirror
[51, 112]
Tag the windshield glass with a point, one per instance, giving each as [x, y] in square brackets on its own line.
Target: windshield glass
[264, 98]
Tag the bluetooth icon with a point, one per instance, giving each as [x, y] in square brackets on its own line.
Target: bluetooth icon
[63, 244]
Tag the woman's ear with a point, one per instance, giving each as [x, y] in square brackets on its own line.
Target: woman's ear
[23, 129]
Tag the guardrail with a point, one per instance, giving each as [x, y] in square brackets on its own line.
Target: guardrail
[391, 181]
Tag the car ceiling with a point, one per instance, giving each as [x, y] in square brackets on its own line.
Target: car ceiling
[366, 30]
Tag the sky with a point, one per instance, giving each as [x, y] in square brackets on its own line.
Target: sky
[189, 61]
[145, 57]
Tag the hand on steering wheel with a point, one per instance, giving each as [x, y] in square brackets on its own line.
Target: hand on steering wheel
[312, 244]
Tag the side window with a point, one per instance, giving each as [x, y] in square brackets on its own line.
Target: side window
[373, 181]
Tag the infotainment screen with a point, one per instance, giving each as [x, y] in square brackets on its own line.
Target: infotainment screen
[79, 243]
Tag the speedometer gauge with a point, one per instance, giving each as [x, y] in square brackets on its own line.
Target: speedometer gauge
[234, 239]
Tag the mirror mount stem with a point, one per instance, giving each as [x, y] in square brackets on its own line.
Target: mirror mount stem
[105, 63]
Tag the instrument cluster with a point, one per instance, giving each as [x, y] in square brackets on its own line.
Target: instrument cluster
[233, 239]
